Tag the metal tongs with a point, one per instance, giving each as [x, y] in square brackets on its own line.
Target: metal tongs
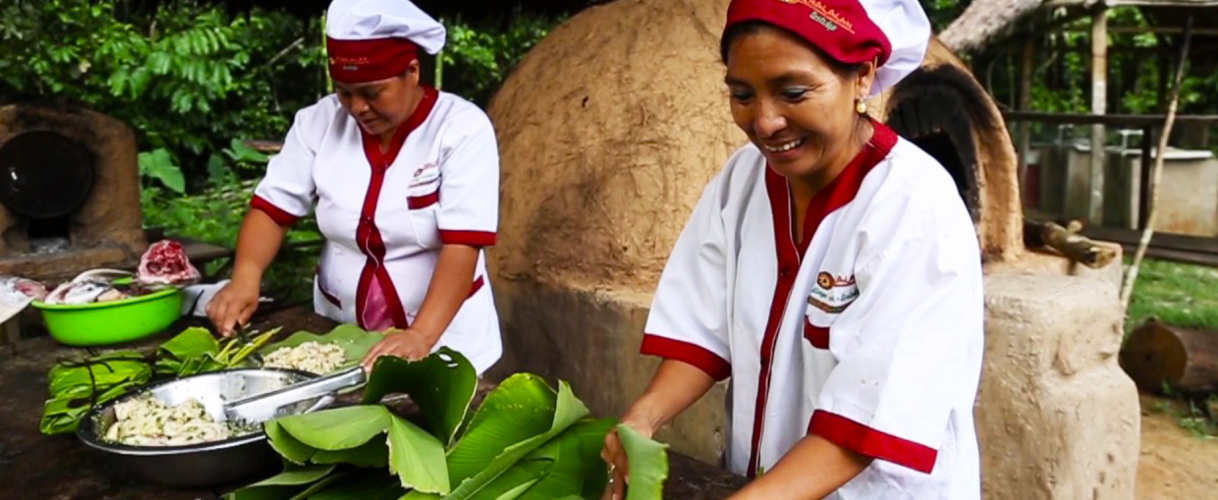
[265, 406]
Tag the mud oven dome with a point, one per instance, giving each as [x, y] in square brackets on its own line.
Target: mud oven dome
[69, 192]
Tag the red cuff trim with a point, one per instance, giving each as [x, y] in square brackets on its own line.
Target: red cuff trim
[427, 200]
[858, 437]
[476, 286]
[277, 214]
[471, 238]
[817, 335]
[709, 362]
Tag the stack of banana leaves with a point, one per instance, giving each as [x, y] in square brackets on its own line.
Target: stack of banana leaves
[525, 441]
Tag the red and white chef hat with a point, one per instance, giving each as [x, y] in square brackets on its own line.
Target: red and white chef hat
[369, 40]
[893, 33]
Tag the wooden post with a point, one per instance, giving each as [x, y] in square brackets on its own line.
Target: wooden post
[1099, 100]
[1025, 104]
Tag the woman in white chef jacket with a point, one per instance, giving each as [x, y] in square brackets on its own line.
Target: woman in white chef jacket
[404, 180]
[831, 270]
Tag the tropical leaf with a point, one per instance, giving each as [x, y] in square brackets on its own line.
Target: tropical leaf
[522, 406]
[442, 384]
[354, 341]
[566, 474]
[287, 446]
[363, 485]
[374, 453]
[287, 484]
[568, 410]
[648, 464]
[417, 458]
[339, 428]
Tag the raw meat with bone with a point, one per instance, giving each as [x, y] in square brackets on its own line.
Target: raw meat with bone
[165, 265]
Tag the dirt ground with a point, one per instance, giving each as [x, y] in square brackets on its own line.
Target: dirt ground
[1175, 464]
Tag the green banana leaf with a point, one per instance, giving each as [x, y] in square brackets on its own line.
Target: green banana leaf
[286, 445]
[318, 487]
[374, 453]
[355, 342]
[648, 464]
[190, 352]
[517, 480]
[591, 435]
[339, 428]
[62, 415]
[522, 406]
[362, 485]
[287, 484]
[566, 473]
[102, 372]
[568, 410]
[442, 384]
[416, 457]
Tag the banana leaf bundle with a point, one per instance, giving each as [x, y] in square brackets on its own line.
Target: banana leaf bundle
[78, 385]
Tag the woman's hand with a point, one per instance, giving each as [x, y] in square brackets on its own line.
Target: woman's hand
[407, 344]
[615, 456]
[233, 305]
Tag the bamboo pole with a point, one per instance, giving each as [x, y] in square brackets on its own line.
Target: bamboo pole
[1131, 276]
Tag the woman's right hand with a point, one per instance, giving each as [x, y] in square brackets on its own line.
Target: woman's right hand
[614, 456]
[233, 305]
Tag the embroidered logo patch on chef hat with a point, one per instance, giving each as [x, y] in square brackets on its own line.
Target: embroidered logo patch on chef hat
[893, 33]
[369, 40]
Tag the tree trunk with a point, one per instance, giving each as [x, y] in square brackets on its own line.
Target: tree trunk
[1183, 359]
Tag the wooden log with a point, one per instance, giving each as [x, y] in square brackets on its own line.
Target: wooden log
[1185, 359]
[1067, 241]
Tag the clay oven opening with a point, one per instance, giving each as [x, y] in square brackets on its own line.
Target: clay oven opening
[936, 109]
[44, 178]
[944, 110]
[69, 191]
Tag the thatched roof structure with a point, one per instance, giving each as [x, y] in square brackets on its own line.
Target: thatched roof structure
[987, 21]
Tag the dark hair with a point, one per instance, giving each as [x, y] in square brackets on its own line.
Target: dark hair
[845, 70]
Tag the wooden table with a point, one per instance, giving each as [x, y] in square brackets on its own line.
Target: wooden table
[34, 466]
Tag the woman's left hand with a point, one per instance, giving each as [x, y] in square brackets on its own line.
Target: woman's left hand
[407, 344]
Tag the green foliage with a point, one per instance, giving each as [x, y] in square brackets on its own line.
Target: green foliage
[195, 82]
[526, 441]
[478, 57]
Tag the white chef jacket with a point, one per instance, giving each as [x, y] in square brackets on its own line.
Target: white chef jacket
[386, 216]
[868, 333]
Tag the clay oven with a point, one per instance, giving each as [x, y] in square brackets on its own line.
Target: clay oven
[608, 131]
[69, 191]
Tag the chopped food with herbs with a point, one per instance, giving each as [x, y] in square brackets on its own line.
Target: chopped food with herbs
[312, 357]
[147, 421]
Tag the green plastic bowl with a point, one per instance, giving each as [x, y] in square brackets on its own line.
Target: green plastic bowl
[112, 322]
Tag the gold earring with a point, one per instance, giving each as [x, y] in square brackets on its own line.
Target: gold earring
[861, 107]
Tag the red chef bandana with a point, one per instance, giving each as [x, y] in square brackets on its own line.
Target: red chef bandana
[841, 28]
[361, 61]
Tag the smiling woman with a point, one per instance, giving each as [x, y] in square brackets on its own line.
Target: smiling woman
[830, 269]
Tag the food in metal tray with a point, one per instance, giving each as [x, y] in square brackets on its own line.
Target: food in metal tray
[313, 357]
[147, 421]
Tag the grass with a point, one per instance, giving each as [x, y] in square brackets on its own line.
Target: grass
[1178, 294]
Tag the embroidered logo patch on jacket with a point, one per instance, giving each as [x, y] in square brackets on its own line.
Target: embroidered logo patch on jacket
[832, 294]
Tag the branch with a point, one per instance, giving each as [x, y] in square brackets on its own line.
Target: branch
[1131, 276]
[1067, 241]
